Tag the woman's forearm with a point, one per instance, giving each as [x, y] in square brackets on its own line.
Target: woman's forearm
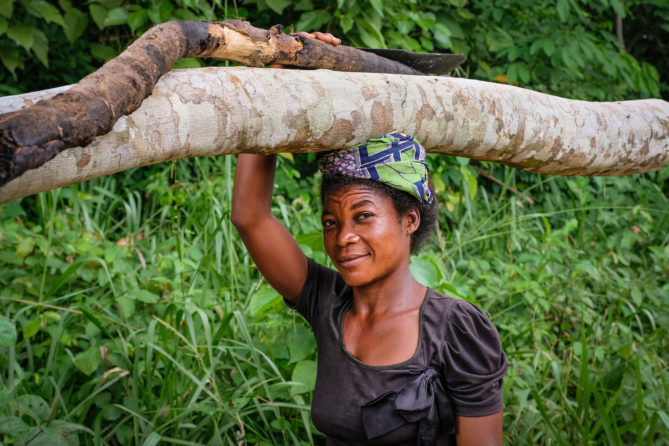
[253, 187]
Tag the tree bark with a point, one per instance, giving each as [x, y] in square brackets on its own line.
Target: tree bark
[93, 105]
[215, 111]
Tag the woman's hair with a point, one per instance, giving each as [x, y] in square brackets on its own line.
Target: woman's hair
[403, 202]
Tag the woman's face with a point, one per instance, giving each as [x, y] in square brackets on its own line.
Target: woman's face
[364, 235]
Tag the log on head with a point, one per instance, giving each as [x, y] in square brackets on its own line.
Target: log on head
[214, 111]
[93, 105]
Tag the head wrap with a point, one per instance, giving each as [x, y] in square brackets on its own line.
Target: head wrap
[395, 159]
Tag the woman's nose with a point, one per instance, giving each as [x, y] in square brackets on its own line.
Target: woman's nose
[346, 235]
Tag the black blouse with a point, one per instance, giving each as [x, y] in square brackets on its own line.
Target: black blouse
[457, 369]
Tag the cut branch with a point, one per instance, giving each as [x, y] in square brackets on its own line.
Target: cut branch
[214, 111]
[93, 105]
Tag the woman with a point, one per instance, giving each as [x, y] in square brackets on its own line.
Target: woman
[398, 364]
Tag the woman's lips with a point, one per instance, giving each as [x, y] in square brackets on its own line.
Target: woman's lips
[350, 261]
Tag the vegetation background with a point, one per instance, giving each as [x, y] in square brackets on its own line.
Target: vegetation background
[131, 314]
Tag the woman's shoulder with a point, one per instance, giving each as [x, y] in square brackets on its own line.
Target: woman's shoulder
[460, 326]
[450, 309]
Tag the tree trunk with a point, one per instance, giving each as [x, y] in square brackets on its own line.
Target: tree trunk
[93, 105]
[214, 111]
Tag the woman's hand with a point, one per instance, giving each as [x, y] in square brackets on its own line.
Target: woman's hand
[325, 37]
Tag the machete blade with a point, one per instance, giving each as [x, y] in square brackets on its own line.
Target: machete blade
[428, 63]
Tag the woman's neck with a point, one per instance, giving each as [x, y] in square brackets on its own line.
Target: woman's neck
[396, 292]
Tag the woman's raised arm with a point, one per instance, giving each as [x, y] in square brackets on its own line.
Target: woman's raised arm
[272, 247]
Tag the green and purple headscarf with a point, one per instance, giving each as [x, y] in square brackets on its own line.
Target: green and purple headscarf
[395, 159]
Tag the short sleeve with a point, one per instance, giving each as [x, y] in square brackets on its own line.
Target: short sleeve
[474, 362]
[321, 283]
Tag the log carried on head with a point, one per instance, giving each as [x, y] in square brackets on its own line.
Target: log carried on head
[29, 138]
[213, 111]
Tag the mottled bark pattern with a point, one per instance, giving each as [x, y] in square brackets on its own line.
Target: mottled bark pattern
[30, 137]
[214, 111]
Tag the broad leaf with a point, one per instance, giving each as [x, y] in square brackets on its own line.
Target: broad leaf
[7, 8]
[262, 300]
[302, 344]
[313, 20]
[34, 406]
[99, 14]
[7, 333]
[117, 16]
[45, 10]
[75, 24]
[277, 5]
[41, 47]
[23, 35]
[304, 373]
[88, 361]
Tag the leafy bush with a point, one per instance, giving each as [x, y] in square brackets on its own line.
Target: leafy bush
[568, 47]
[132, 314]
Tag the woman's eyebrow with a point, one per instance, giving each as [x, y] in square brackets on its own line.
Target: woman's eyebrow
[361, 204]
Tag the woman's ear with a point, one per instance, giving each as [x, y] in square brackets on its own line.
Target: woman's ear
[412, 220]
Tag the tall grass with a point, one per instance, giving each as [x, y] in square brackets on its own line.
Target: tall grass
[141, 319]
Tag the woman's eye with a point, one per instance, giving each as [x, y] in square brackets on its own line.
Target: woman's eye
[328, 223]
[364, 215]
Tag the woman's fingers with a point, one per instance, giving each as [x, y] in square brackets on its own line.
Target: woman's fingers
[325, 37]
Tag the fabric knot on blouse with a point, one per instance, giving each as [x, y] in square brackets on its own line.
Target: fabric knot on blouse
[422, 400]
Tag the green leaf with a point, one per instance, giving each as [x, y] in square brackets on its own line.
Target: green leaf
[88, 361]
[45, 10]
[41, 47]
[278, 5]
[548, 47]
[262, 300]
[25, 247]
[31, 327]
[188, 62]
[10, 57]
[459, 3]
[424, 272]
[160, 12]
[618, 7]
[23, 35]
[145, 296]
[313, 20]
[34, 406]
[153, 439]
[137, 19]
[470, 177]
[536, 46]
[563, 9]
[512, 73]
[7, 8]
[12, 425]
[117, 16]
[104, 52]
[442, 34]
[3, 25]
[99, 14]
[75, 24]
[127, 305]
[302, 344]
[7, 333]
[305, 374]
[378, 6]
[370, 33]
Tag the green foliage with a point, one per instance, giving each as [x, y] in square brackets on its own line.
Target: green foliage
[568, 48]
[133, 315]
[132, 308]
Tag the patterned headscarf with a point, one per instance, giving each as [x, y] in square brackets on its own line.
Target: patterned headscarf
[395, 159]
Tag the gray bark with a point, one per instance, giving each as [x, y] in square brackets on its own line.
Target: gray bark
[215, 111]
